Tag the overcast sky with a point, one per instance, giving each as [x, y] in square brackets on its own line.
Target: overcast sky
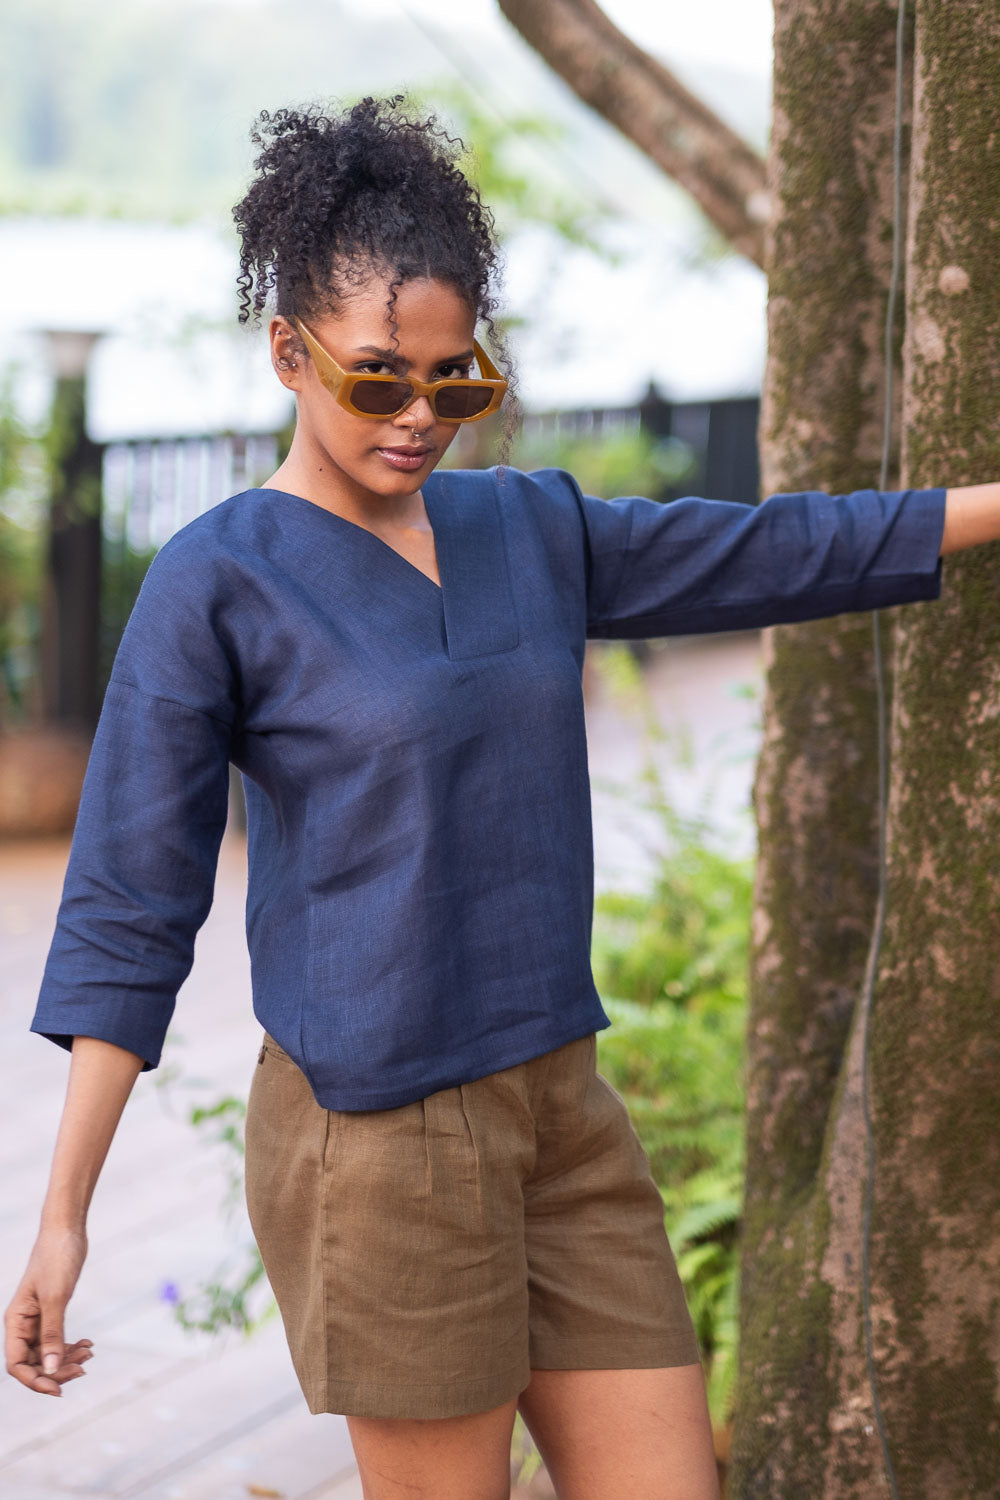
[736, 33]
[731, 33]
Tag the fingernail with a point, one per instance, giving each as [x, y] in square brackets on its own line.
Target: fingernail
[50, 1364]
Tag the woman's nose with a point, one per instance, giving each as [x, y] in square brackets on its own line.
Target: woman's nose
[418, 414]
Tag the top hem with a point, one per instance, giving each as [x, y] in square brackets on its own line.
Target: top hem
[351, 1100]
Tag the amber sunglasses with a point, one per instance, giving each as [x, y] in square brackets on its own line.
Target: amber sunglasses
[379, 396]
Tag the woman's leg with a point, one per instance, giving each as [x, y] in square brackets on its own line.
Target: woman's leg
[608, 1433]
[440, 1458]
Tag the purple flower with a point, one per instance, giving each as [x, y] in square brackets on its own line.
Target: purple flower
[169, 1293]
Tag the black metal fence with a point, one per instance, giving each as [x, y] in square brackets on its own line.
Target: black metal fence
[721, 437]
[151, 489]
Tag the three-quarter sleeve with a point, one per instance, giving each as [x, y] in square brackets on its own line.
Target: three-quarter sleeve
[141, 872]
[695, 566]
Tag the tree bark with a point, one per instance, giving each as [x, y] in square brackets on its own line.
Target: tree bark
[935, 1040]
[803, 1420]
[644, 100]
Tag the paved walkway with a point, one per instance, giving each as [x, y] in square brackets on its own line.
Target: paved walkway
[163, 1414]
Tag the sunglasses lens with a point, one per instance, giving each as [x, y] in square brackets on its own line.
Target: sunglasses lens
[455, 403]
[381, 398]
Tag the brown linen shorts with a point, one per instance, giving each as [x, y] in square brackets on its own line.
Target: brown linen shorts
[426, 1259]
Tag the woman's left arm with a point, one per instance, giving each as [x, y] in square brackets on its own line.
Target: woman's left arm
[971, 516]
[696, 565]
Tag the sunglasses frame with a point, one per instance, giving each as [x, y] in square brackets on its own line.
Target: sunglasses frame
[340, 383]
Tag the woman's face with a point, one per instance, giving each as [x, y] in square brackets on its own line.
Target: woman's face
[434, 332]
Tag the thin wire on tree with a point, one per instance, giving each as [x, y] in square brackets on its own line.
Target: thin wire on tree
[868, 988]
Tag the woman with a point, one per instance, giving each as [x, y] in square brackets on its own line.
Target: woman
[455, 1214]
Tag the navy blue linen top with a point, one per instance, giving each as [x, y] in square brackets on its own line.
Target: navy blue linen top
[414, 757]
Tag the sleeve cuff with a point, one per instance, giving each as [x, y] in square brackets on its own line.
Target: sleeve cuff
[60, 1023]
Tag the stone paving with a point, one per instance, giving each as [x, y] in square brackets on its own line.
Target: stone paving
[162, 1414]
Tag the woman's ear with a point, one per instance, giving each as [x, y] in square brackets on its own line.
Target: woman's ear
[287, 353]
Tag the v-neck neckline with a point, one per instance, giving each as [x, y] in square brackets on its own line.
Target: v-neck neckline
[356, 526]
[474, 602]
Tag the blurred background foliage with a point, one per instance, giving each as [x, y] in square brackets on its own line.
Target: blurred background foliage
[23, 485]
[671, 967]
[114, 108]
[129, 108]
[619, 463]
[501, 157]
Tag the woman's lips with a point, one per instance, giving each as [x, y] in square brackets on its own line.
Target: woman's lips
[404, 458]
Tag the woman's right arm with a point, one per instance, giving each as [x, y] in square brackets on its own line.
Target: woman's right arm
[139, 883]
[101, 1077]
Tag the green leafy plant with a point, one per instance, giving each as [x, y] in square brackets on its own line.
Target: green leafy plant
[630, 461]
[22, 480]
[525, 1457]
[684, 941]
[510, 162]
[679, 1071]
[236, 1295]
[705, 1240]
[671, 964]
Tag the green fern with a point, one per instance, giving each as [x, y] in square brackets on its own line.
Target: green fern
[668, 1065]
[704, 1220]
[671, 966]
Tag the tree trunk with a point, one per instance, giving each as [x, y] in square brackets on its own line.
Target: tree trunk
[644, 100]
[802, 1418]
[935, 1037]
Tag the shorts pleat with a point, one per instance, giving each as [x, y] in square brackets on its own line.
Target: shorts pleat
[426, 1259]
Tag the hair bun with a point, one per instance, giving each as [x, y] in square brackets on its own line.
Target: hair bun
[332, 191]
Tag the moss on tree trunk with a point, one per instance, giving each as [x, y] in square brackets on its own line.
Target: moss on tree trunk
[805, 1420]
[936, 1037]
[800, 1407]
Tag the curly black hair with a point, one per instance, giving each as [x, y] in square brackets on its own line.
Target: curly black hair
[335, 195]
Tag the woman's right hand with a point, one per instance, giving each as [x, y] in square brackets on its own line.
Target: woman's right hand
[101, 1076]
[37, 1353]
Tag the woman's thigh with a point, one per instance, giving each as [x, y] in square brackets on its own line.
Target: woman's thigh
[608, 1433]
[438, 1458]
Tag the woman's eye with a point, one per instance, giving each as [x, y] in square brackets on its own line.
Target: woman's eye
[454, 372]
[374, 367]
